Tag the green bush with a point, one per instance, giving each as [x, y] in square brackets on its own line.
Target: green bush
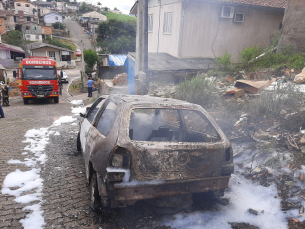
[224, 63]
[58, 25]
[270, 104]
[90, 58]
[199, 90]
[58, 43]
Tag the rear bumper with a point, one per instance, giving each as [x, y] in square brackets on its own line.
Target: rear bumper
[145, 191]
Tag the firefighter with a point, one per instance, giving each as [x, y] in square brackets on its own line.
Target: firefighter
[60, 76]
[5, 93]
[1, 110]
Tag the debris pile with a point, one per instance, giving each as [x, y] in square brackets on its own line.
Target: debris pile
[120, 79]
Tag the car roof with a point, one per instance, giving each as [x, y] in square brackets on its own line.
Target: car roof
[149, 100]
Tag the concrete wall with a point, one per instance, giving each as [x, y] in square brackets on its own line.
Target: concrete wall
[205, 32]
[293, 27]
[33, 37]
[157, 40]
[23, 6]
[109, 72]
[45, 10]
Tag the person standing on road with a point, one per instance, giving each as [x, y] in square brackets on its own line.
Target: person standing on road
[15, 73]
[5, 93]
[1, 110]
[89, 84]
[60, 82]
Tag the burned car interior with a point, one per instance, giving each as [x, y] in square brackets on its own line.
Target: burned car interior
[170, 125]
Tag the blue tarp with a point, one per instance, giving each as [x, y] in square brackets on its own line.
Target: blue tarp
[117, 60]
[130, 65]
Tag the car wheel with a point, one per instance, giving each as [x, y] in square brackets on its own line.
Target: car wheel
[26, 101]
[94, 195]
[56, 99]
[78, 143]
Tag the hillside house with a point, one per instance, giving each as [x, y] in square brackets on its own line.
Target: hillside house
[7, 20]
[52, 18]
[10, 55]
[46, 31]
[22, 17]
[61, 7]
[72, 7]
[32, 31]
[25, 6]
[44, 10]
[193, 28]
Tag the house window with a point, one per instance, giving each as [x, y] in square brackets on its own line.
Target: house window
[150, 22]
[56, 18]
[37, 38]
[27, 5]
[168, 19]
[27, 28]
[28, 18]
[52, 54]
[28, 36]
[18, 4]
[239, 17]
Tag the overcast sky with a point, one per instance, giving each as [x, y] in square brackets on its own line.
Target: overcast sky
[123, 5]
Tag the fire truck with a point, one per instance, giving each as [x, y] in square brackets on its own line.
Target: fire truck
[37, 78]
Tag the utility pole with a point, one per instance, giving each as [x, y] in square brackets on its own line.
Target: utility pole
[141, 86]
[83, 75]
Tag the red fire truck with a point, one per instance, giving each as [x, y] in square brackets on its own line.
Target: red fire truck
[37, 78]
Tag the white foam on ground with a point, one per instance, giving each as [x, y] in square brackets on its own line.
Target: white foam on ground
[243, 195]
[77, 102]
[77, 110]
[64, 119]
[27, 186]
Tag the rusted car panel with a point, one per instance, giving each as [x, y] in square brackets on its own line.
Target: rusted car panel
[148, 191]
[121, 156]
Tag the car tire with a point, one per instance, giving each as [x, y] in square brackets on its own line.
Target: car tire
[26, 101]
[78, 143]
[95, 203]
[56, 99]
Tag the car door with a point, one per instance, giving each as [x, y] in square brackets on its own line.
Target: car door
[87, 124]
[103, 136]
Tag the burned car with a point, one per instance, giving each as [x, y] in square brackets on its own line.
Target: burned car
[147, 148]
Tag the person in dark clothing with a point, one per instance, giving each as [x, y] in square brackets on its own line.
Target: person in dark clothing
[1, 110]
[14, 73]
[89, 84]
[5, 93]
[60, 81]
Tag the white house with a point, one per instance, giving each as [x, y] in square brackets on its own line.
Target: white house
[72, 7]
[44, 10]
[61, 6]
[25, 6]
[52, 18]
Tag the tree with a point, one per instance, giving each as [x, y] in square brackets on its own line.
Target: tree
[117, 36]
[116, 9]
[13, 38]
[99, 4]
[58, 25]
[90, 57]
[84, 7]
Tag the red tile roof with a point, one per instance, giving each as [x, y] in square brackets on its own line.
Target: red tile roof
[266, 3]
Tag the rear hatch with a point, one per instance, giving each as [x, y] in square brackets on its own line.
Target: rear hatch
[173, 144]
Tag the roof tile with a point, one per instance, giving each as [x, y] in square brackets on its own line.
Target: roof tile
[266, 3]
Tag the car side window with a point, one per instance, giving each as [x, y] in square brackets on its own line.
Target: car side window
[107, 118]
[94, 109]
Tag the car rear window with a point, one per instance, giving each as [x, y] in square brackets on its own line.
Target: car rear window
[172, 125]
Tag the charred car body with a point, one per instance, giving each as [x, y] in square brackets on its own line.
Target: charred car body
[142, 147]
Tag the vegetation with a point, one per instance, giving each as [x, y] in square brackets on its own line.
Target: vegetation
[84, 8]
[270, 104]
[224, 63]
[58, 43]
[117, 36]
[90, 58]
[120, 17]
[13, 37]
[58, 25]
[199, 90]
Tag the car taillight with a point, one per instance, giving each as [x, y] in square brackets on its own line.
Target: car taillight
[120, 159]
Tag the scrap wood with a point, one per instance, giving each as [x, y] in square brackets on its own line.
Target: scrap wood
[294, 144]
[237, 92]
[253, 86]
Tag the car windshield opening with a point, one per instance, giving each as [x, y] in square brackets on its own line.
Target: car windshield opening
[39, 74]
[171, 125]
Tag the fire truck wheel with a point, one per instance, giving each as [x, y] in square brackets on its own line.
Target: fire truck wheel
[26, 101]
[56, 100]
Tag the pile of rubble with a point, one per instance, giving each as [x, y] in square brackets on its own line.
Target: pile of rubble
[14, 91]
[120, 79]
[162, 89]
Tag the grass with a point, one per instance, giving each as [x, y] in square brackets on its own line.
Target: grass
[119, 17]
[199, 90]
